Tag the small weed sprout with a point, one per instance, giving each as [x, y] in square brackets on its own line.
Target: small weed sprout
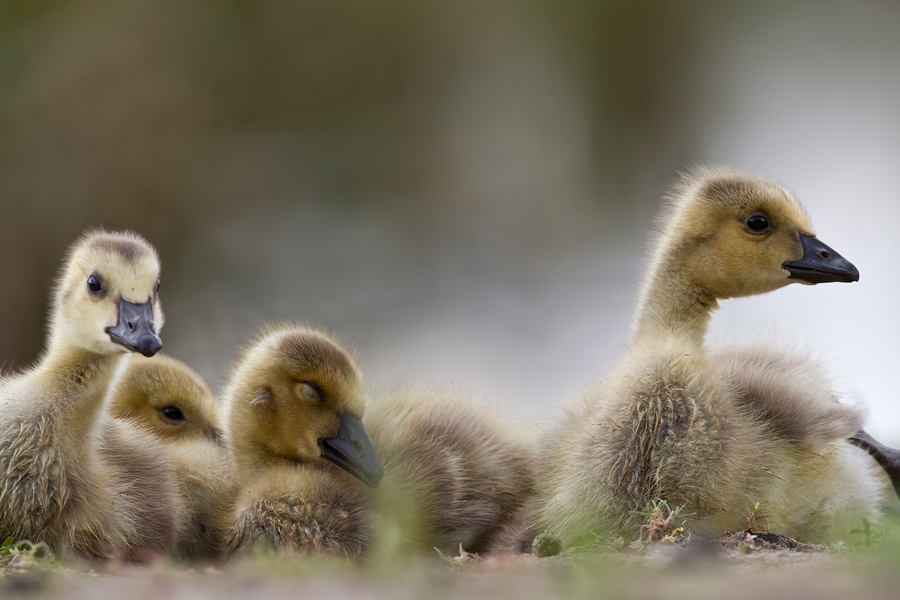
[460, 560]
[751, 518]
[659, 517]
[871, 536]
[26, 551]
[607, 543]
[671, 537]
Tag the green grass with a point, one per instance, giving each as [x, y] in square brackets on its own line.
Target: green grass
[25, 554]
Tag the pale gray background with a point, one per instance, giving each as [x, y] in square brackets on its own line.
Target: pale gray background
[459, 189]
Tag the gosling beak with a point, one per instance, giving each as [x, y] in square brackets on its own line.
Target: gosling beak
[135, 328]
[352, 450]
[820, 264]
[887, 457]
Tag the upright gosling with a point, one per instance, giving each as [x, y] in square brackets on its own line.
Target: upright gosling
[71, 476]
[712, 433]
[175, 404]
[294, 408]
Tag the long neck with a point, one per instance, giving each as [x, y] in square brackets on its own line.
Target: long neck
[672, 307]
[76, 380]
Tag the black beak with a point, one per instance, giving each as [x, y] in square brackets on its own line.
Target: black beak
[887, 457]
[352, 450]
[135, 328]
[820, 264]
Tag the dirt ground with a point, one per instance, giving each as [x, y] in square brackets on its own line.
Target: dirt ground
[736, 566]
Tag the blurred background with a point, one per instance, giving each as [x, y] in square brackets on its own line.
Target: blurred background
[458, 189]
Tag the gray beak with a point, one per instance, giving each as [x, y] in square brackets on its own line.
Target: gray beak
[135, 328]
[820, 264]
[352, 450]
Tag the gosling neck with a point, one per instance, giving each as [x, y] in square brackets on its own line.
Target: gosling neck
[672, 307]
[81, 377]
[250, 455]
[247, 450]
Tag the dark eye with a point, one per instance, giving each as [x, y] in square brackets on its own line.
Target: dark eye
[94, 284]
[173, 413]
[757, 223]
[157, 285]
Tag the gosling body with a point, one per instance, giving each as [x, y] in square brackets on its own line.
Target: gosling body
[456, 470]
[294, 406]
[712, 432]
[169, 400]
[69, 476]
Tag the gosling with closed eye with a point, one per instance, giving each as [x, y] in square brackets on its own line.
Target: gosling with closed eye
[713, 432]
[454, 474]
[166, 397]
[294, 425]
[70, 475]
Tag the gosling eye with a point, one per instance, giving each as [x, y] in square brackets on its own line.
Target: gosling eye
[309, 391]
[173, 413]
[94, 284]
[157, 286]
[757, 223]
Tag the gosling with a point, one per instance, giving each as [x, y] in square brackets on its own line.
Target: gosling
[294, 408]
[71, 476]
[171, 401]
[457, 471]
[712, 433]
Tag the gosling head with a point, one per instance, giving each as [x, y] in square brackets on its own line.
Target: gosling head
[166, 397]
[107, 295]
[296, 394]
[738, 235]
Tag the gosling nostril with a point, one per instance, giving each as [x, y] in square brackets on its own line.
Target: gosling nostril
[130, 325]
[825, 254]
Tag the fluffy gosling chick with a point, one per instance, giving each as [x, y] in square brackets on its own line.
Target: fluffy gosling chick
[294, 406]
[456, 472]
[71, 476]
[675, 422]
[170, 400]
